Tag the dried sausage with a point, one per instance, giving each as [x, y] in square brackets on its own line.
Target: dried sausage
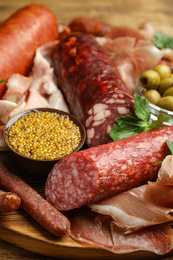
[99, 172]
[91, 26]
[20, 35]
[9, 201]
[34, 204]
[93, 88]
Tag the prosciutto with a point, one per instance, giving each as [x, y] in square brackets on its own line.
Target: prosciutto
[138, 219]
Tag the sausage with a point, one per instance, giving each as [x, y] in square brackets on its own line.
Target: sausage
[91, 26]
[93, 88]
[34, 204]
[96, 173]
[20, 35]
[9, 201]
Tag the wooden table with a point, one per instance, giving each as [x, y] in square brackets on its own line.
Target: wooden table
[118, 12]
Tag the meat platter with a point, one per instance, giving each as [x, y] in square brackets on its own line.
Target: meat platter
[70, 202]
[22, 230]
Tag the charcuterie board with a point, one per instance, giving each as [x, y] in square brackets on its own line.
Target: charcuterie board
[21, 230]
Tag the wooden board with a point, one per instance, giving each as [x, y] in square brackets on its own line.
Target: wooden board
[22, 230]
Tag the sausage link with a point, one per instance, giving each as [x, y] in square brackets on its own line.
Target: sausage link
[20, 35]
[99, 172]
[94, 90]
[9, 201]
[34, 204]
[91, 26]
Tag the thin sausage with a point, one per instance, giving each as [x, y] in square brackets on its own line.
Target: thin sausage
[34, 204]
[9, 201]
[93, 88]
[20, 35]
[99, 172]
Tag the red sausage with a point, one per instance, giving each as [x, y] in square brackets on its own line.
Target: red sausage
[91, 26]
[94, 90]
[36, 206]
[20, 35]
[99, 172]
[9, 201]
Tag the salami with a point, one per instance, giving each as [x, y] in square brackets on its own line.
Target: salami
[93, 88]
[91, 26]
[9, 201]
[20, 35]
[34, 204]
[95, 173]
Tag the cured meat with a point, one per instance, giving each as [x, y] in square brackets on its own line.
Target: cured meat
[92, 228]
[99, 172]
[35, 205]
[93, 88]
[147, 205]
[9, 201]
[20, 36]
[91, 26]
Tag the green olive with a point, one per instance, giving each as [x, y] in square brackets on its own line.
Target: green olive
[166, 103]
[168, 92]
[150, 79]
[163, 70]
[165, 84]
[152, 95]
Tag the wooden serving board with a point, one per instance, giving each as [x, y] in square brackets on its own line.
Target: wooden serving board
[22, 230]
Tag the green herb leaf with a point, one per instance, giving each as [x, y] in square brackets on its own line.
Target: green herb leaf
[170, 146]
[2, 80]
[163, 40]
[128, 125]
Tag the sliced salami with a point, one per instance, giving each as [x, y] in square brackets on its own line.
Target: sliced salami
[99, 172]
[92, 87]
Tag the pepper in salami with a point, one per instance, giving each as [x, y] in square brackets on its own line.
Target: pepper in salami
[93, 88]
[99, 172]
[20, 36]
[34, 204]
[9, 201]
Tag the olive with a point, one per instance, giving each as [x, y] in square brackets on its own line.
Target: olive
[165, 84]
[166, 103]
[152, 95]
[168, 92]
[150, 79]
[163, 70]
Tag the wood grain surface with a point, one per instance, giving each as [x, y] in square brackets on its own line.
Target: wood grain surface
[117, 12]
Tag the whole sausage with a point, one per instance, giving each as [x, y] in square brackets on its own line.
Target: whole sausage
[34, 204]
[91, 26]
[20, 35]
[9, 201]
[95, 173]
[94, 91]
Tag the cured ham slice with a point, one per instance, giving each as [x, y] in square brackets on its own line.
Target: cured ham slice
[94, 229]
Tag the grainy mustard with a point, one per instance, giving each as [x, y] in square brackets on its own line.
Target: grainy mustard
[44, 135]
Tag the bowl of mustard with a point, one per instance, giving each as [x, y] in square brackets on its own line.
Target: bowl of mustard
[39, 138]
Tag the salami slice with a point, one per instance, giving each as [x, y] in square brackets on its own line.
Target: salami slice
[93, 88]
[99, 172]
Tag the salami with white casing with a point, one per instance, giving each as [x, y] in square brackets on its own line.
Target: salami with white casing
[99, 172]
[93, 88]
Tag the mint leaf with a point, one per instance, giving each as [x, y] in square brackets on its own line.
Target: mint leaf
[163, 40]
